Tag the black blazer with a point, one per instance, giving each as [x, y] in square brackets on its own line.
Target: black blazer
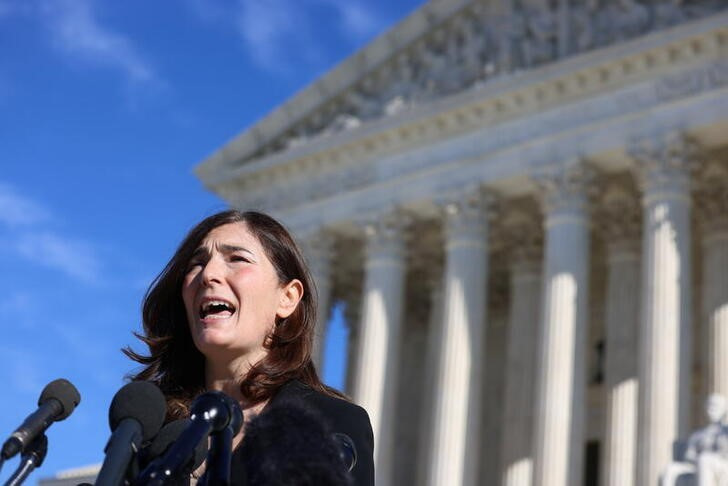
[341, 416]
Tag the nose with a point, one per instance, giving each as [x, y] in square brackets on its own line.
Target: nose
[211, 272]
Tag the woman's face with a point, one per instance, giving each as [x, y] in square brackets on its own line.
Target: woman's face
[232, 294]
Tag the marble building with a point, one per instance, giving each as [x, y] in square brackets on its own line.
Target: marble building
[524, 206]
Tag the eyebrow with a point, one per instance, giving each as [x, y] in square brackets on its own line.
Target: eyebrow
[224, 248]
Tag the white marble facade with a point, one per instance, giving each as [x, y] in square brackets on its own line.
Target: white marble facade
[524, 206]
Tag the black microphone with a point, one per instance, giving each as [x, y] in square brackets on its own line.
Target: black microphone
[57, 400]
[294, 444]
[209, 413]
[32, 457]
[169, 434]
[136, 414]
[219, 458]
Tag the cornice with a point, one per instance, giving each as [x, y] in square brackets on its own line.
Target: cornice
[500, 102]
[333, 83]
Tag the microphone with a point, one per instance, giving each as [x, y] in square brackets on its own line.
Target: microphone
[219, 458]
[169, 434]
[209, 414]
[32, 458]
[135, 416]
[57, 401]
[293, 444]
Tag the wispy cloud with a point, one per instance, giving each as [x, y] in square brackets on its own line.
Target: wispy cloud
[22, 370]
[76, 32]
[269, 29]
[73, 257]
[27, 235]
[18, 210]
[357, 21]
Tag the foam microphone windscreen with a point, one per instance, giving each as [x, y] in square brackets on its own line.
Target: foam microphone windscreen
[141, 401]
[164, 440]
[291, 444]
[66, 394]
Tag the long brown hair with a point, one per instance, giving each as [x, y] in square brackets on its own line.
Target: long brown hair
[177, 366]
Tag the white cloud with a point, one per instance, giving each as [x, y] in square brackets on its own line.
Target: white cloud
[23, 370]
[357, 20]
[76, 32]
[27, 236]
[73, 257]
[18, 210]
[281, 35]
[269, 29]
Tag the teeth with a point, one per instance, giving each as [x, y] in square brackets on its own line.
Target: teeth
[213, 306]
[206, 306]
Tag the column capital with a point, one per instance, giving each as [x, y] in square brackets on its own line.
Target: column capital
[317, 246]
[520, 230]
[663, 164]
[385, 233]
[711, 196]
[466, 214]
[619, 216]
[565, 189]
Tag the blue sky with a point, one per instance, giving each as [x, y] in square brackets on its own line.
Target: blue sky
[105, 108]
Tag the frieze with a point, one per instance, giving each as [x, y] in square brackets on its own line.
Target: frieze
[692, 82]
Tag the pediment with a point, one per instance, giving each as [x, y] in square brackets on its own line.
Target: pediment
[442, 49]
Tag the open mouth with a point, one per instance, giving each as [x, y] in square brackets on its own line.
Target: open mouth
[217, 309]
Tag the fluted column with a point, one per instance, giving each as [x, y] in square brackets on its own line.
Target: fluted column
[522, 233]
[453, 456]
[619, 222]
[712, 205]
[433, 351]
[318, 250]
[559, 415]
[380, 331]
[665, 315]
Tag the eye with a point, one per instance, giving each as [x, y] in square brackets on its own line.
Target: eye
[239, 258]
[194, 264]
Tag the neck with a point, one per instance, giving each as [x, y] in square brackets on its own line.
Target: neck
[225, 375]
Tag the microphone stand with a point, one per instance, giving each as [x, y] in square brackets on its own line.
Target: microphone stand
[32, 457]
[219, 459]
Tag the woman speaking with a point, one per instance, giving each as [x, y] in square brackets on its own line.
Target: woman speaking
[234, 310]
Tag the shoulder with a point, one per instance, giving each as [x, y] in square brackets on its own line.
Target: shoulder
[342, 416]
[330, 405]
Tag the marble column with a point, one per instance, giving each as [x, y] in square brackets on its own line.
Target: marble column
[560, 404]
[522, 233]
[380, 330]
[454, 450]
[619, 217]
[429, 389]
[665, 310]
[318, 250]
[712, 206]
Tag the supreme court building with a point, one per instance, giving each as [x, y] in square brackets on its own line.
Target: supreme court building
[524, 206]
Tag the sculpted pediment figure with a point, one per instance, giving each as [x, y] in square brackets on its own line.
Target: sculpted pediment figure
[625, 19]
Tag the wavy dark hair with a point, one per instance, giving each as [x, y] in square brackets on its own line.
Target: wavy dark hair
[178, 367]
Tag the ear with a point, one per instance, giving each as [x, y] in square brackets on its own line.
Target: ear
[290, 296]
